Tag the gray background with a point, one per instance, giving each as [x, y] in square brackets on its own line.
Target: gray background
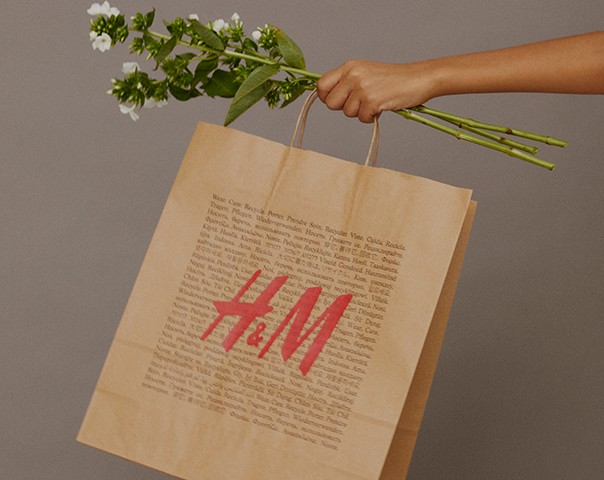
[518, 392]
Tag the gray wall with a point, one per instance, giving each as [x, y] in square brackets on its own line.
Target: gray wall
[518, 392]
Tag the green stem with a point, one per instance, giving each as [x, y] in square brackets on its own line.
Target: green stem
[487, 126]
[499, 139]
[514, 152]
[241, 55]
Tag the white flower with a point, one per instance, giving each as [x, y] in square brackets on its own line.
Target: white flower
[130, 111]
[95, 9]
[129, 67]
[104, 9]
[219, 25]
[256, 35]
[151, 102]
[100, 42]
[235, 18]
[194, 16]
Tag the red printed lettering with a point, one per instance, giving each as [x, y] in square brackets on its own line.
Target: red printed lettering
[300, 313]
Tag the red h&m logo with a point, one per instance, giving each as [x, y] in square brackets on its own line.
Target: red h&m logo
[300, 313]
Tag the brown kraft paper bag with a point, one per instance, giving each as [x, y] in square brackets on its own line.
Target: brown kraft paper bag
[286, 320]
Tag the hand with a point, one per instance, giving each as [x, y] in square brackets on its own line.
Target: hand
[365, 89]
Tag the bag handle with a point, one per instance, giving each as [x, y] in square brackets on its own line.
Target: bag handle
[301, 126]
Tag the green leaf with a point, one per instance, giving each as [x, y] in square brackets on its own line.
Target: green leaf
[291, 52]
[250, 45]
[207, 35]
[258, 77]
[149, 18]
[187, 57]
[165, 50]
[251, 90]
[206, 65]
[182, 94]
[221, 84]
[241, 105]
[148, 40]
[203, 69]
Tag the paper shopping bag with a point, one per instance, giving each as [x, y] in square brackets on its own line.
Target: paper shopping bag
[278, 322]
[398, 460]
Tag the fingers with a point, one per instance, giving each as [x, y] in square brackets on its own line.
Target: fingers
[351, 107]
[341, 89]
[352, 104]
[328, 81]
[368, 115]
[332, 90]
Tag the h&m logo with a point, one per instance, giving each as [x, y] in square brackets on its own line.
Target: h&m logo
[298, 316]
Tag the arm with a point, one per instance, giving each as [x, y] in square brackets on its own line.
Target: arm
[566, 65]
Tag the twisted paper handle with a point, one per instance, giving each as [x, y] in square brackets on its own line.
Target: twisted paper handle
[301, 126]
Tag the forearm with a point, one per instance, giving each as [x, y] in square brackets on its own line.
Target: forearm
[566, 65]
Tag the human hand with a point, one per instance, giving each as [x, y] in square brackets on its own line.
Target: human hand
[365, 89]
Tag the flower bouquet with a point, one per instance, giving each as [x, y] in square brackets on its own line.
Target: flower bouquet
[218, 59]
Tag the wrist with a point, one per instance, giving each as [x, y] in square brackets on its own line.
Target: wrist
[440, 78]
